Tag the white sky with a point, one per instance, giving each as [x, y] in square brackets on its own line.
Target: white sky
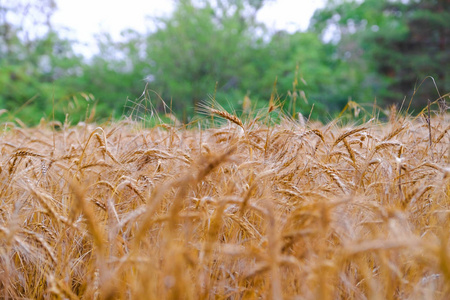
[85, 18]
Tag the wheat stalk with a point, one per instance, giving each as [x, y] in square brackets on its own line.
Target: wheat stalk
[225, 215]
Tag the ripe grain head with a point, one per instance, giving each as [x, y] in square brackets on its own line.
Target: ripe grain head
[355, 212]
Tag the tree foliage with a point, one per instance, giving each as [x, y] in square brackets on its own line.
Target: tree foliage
[37, 67]
[199, 46]
[353, 50]
[400, 44]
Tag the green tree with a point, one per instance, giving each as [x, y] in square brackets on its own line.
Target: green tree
[199, 45]
[204, 43]
[307, 72]
[396, 44]
[36, 65]
[116, 73]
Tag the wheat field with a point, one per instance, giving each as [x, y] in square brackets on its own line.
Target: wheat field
[238, 211]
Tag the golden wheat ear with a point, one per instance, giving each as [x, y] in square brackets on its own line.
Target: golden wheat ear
[355, 211]
[215, 109]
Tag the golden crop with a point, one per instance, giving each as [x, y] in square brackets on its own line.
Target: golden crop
[243, 211]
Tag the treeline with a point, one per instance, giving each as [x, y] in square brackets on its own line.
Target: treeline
[363, 51]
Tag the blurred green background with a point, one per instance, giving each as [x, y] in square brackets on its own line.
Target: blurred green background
[360, 51]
